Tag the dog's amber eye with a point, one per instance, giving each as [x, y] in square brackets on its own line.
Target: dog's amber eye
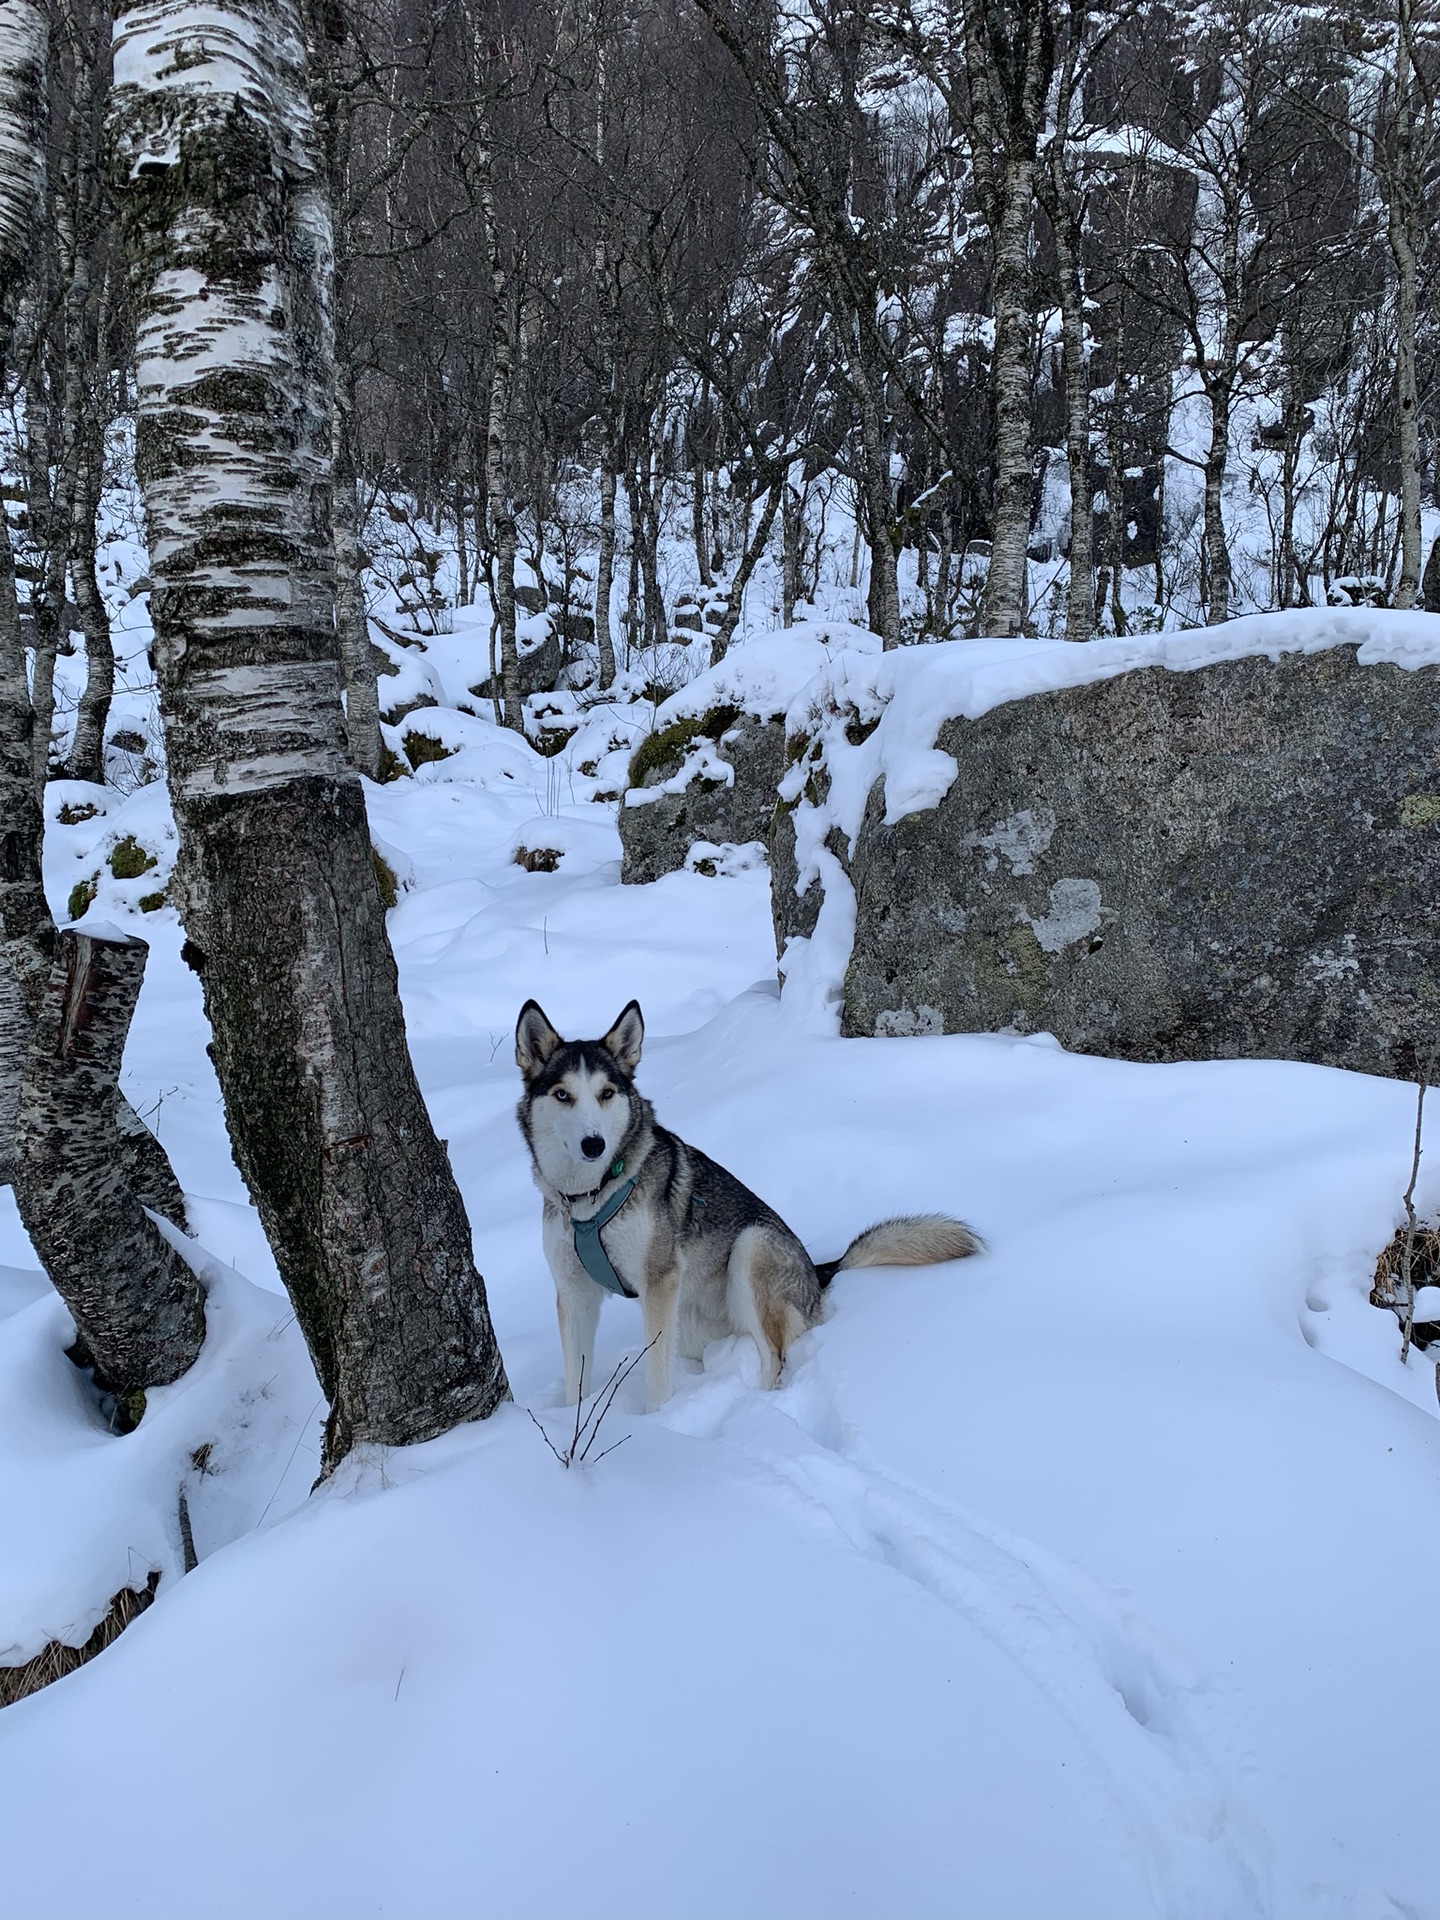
[561, 1095]
[607, 1093]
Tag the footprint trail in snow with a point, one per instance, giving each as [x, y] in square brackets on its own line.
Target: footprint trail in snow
[1134, 1707]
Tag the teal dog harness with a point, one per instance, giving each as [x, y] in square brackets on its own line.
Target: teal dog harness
[589, 1246]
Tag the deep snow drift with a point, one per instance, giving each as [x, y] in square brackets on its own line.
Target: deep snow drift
[1075, 1582]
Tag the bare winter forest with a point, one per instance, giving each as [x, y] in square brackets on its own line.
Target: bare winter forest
[945, 268]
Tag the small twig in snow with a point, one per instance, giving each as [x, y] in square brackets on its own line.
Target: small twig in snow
[587, 1426]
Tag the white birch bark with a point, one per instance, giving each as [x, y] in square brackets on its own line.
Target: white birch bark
[23, 913]
[1004, 113]
[226, 211]
[138, 1308]
[23, 41]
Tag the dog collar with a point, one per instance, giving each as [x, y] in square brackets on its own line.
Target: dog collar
[589, 1246]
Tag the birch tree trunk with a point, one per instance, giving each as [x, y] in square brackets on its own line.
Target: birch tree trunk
[1005, 601]
[792, 536]
[698, 487]
[1065, 226]
[49, 533]
[138, 1308]
[605, 570]
[876, 486]
[14, 1040]
[1009, 56]
[1217, 548]
[80, 223]
[1402, 252]
[357, 656]
[23, 42]
[227, 226]
[24, 918]
[504, 536]
[332, 103]
[81, 1162]
[749, 560]
[1080, 590]
[87, 749]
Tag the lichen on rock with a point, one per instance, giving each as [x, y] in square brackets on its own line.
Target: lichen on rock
[1233, 860]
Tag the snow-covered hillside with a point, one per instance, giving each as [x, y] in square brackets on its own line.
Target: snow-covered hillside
[1082, 1581]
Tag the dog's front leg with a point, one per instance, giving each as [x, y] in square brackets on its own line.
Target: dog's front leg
[577, 1306]
[660, 1306]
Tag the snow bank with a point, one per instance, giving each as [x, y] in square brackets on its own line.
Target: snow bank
[763, 676]
[914, 691]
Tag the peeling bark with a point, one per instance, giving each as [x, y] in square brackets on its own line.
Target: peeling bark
[138, 1308]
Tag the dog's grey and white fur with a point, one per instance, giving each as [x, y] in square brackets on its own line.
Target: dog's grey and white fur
[705, 1256]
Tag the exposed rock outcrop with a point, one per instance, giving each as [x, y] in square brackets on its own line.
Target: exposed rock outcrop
[541, 661]
[710, 777]
[1242, 859]
[709, 770]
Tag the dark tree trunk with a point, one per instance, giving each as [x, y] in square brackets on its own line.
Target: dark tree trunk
[14, 1041]
[49, 536]
[749, 560]
[605, 571]
[645, 490]
[26, 933]
[87, 749]
[792, 533]
[878, 495]
[1430, 580]
[281, 907]
[137, 1306]
[504, 536]
[1217, 548]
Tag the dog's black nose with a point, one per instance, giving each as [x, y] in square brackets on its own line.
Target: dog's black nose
[592, 1146]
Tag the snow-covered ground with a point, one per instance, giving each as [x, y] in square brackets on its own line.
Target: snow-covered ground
[1089, 1579]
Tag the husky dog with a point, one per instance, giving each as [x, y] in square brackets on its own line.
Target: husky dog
[705, 1255]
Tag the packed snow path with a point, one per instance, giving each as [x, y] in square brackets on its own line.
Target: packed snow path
[1075, 1582]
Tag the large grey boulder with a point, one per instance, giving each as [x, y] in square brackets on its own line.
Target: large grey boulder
[709, 777]
[1242, 859]
[541, 661]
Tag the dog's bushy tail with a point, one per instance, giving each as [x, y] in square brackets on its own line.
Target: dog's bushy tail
[914, 1240]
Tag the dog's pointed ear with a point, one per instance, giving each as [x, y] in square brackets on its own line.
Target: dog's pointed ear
[535, 1039]
[625, 1039]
